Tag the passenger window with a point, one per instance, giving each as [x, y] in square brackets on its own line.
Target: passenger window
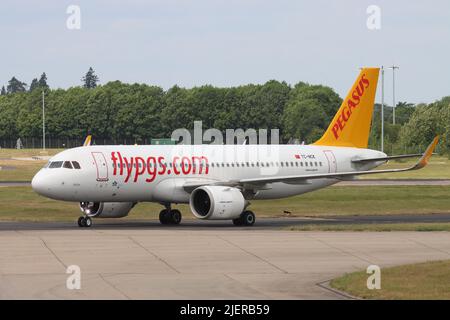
[67, 165]
[55, 164]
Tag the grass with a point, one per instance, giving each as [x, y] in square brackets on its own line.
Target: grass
[22, 170]
[21, 203]
[429, 280]
[376, 227]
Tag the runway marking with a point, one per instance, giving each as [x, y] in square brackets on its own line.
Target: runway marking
[154, 255]
[252, 254]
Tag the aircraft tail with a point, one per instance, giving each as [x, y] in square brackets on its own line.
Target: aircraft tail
[87, 141]
[350, 126]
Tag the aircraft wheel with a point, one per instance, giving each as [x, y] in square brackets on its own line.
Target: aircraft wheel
[175, 217]
[80, 221]
[164, 216]
[248, 218]
[87, 222]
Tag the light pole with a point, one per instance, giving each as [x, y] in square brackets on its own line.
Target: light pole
[43, 120]
[393, 92]
[382, 109]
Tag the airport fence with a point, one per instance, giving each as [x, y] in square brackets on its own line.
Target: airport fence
[61, 143]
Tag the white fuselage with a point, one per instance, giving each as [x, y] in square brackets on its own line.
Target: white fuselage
[159, 173]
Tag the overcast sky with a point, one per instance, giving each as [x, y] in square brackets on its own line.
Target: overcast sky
[229, 43]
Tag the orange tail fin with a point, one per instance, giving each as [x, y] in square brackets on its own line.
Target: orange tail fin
[351, 124]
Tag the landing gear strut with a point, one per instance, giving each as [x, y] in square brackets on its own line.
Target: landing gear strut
[169, 216]
[84, 222]
[247, 218]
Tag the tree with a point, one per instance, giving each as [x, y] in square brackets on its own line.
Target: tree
[90, 79]
[309, 111]
[34, 84]
[15, 85]
[3, 91]
[43, 81]
[425, 123]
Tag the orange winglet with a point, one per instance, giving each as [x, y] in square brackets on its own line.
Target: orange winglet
[427, 154]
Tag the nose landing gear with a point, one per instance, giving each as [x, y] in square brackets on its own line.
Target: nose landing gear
[84, 222]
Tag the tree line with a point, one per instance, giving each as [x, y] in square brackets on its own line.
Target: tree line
[138, 112]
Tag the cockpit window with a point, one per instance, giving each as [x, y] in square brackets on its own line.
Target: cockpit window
[67, 165]
[76, 165]
[55, 164]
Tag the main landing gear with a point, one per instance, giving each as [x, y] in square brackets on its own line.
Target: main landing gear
[247, 218]
[170, 216]
[84, 222]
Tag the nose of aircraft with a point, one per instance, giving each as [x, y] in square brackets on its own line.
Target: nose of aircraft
[39, 183]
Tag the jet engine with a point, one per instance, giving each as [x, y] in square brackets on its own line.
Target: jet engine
[217, 202]
[106, 209]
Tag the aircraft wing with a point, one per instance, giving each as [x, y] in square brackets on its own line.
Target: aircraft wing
[423, 161]
[396, 157]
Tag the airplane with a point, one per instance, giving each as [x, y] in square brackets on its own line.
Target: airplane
[218, 181]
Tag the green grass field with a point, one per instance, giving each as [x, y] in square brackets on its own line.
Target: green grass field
[21, 203]
[22, 170]
[429, 280]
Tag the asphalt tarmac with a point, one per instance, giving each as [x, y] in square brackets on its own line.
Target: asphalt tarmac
[261, 223]
[124, 261]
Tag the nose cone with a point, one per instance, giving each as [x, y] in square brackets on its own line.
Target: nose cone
[40, 184]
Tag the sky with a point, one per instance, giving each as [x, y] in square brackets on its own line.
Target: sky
[230, 43]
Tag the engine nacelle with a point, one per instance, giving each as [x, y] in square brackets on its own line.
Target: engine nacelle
[217, 202]
[106, 209]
